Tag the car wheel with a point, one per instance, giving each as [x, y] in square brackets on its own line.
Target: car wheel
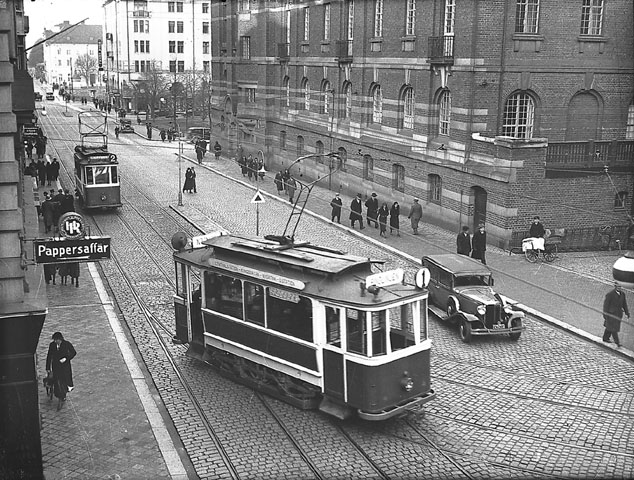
[465, 331]
[515, 323]
[452, 306]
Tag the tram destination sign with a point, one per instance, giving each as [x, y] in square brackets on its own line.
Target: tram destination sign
[66, 250]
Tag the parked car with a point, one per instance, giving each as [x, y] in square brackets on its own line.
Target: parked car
[50, 96]
[198, 133]
[461, 291]
[125, 126]
[38, 96]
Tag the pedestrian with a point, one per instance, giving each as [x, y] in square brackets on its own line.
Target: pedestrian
[217, 150]
[278, 182]
[48, 212]
[148, 128]
[41, 172]
[116, 131]
[170, 134]
[199, 152]
[291, 186]
[395, 222]
[50, 270]
[29, 148]
[614, 306]
[250, 167]
[60, 354]
[193, 176]
[463, 241]
[372, 206]
[187, 186]
[70, 269]
[50, 173]
[356, 212]
[336, 204]
[163, 134]
[382, 215]
[138, 120]
[285, 176]
[479, 244]
[203, 146]
[67, 202]
[56, 166]
[415, 214]
[537, 230]
[244, 168]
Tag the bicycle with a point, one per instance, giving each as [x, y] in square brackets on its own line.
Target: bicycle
[605, 238]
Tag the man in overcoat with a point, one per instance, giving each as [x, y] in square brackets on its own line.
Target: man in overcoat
[356, 210]
[463, 242]
[336, 203]
[372, 208]
[60, 353]
[415, 214]
[479, 244]
[614, 306]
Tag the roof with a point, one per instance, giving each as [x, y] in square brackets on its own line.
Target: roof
[459, 264]
[80, 35]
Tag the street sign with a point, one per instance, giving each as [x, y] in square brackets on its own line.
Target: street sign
[383, 279]
[257, 198]
[99, 42]
[30, 131]
[71, 226]
[66, 250]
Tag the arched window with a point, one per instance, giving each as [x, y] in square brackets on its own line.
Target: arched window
[444, 113]
[434, 186]
[368, 167]
[584, 112]
[377, 104]
[620, 200]
[327, 95]
[287, 91]
[343, 158]
[347, 91]
[306, 90]
[319, 147]
[407, 103]
[398, 177]
[519, 116]
[300, 145]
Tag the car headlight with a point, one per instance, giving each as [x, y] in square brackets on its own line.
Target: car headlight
[481, 309]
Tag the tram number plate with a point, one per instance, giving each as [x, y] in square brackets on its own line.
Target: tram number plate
[498, 326]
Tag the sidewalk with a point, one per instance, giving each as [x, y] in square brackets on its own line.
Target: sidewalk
[109, 426]
[568, 293]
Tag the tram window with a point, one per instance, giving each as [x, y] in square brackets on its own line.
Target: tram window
[181, 280]
[401, 327]
[102, 175]
[423, 320]
[223, 294]
[379, 333]
[89, 176]
[289, 313]
[254, 302]
[333, 322]
[356, 330]
[113, 174]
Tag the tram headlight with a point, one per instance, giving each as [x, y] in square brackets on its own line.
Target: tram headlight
[103, 197]
[407, 383]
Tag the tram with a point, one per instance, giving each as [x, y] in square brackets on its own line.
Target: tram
[313, 326]
[96, 169]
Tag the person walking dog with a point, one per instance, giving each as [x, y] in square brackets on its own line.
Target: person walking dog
[614, 305]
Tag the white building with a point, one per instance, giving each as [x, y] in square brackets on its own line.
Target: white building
[174, 36]
[62, 51]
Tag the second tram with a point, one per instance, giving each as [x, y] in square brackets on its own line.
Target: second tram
[97, 177]
[310, 325]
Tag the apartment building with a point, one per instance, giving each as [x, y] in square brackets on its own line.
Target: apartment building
[143, 36]
[488, 111]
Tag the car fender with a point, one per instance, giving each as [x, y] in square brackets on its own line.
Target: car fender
[453, 300]
[469, 317]
[516, 314]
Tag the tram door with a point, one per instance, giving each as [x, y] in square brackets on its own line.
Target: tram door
[333, 355]
[182, 304]
[195, 305]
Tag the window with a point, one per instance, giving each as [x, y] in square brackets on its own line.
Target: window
[327, 21]
[254, 303]
[527, 16]
[402, 327]
[136, 66]
[328, 97]
[377, 105]
[408, 109]
[378, 18]
[171, 26]
[172, 46]
[172, 66]
[300, 145]
[286, 86]
[98, 175]
[180, 47]
[206, 66]
[206, 47]
[179, 27]
[306, 89]
[181, 66]
[348, 97]
[450, 16]
[629, 128]
[205, 8]
[519, 113]
[249, 95]
[245, 43]
[244, 5]
[179, 7]
[136, 46]
[398, 177]
[434, 184]
[620, 200]
[591, 17]
[170, 6]
[410, 19]
[205, 27]
[350, 20]
[289, 313]
[444, 113]
[343, 158]
[356, 331]
[283, 139]
[223, 294]
[306, 24]
[333, 326]
[319, 149]
[368, 167]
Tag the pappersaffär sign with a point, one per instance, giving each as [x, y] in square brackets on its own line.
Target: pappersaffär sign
[67, 250]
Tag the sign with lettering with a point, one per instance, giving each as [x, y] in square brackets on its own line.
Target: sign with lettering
[67, 250]
[30, 131]
[71, 226]
[99, 57]
[284, 295]
[258, 274]
[383, 279]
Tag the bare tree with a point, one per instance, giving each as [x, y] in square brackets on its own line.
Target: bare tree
[84, 66]
[154, 83]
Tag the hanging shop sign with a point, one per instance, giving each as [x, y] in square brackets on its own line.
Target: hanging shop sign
[88, 249]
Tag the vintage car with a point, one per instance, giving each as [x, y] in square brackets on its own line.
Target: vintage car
[125, 126]
[461, 291]
[37, 96]
[50, 96]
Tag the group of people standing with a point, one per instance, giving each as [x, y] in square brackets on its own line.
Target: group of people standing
[285, 184]
[54, 206]
[475, 246]
[45, 172]
[190, 180]
[251, 167]
[375, 215]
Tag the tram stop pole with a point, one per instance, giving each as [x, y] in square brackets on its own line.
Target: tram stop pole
[257, 199]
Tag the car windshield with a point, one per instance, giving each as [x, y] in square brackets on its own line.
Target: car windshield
[471, 280]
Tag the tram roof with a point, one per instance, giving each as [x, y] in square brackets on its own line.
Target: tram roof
[97, 155]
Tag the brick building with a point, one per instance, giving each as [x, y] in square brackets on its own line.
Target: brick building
[487, 110]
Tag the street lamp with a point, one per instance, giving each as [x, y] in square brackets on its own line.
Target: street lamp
[176, 88]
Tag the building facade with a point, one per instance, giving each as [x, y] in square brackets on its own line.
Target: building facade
[489, 111]
[143, 38]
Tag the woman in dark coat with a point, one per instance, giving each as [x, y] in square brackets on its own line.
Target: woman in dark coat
[60, 353]
[382, 216]
[479, 245]
[278, 182]
[395, 222]
[50, 173]
[187, 187]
